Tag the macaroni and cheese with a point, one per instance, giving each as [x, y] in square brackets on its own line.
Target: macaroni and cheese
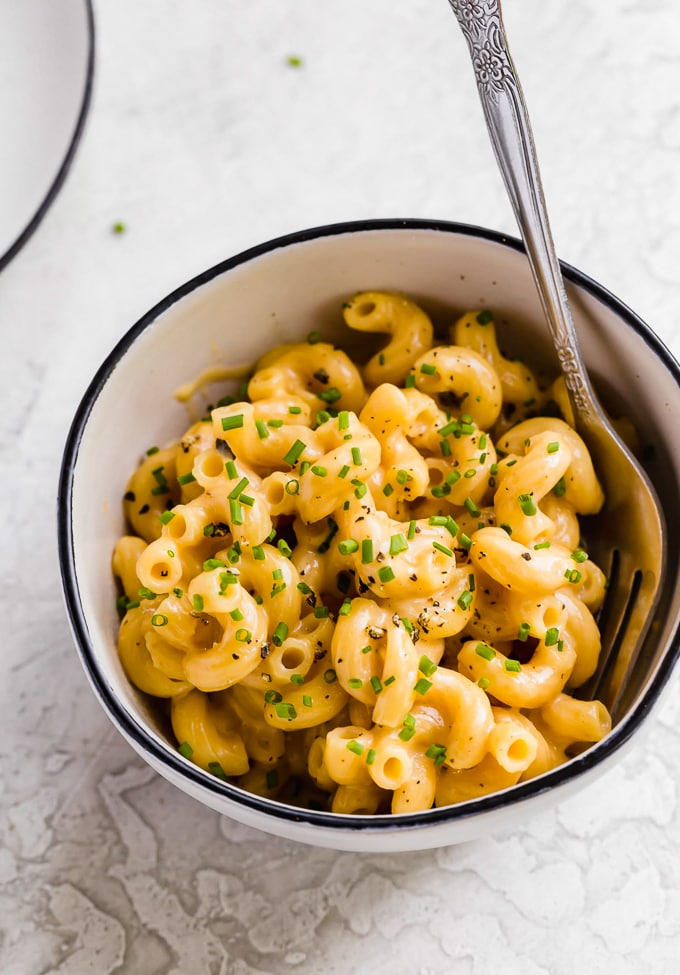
[363, 587]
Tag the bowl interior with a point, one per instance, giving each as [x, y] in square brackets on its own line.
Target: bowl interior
[278, 293]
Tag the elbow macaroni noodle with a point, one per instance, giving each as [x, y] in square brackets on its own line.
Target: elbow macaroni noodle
[362, 588]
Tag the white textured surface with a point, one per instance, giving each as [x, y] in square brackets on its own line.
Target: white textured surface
[203, 140]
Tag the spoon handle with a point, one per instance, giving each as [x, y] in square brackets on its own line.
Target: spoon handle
[512, 140]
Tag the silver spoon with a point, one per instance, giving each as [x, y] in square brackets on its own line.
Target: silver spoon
[630, 539]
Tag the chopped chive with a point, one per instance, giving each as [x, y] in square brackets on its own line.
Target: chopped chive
[445, 448]
[484, 683]
[356, 456]
[307, 701]
[465, 541]
[484, 317]
[366, 550]
[370, 756]
[573, 575]
[409, 381]
[560, 488]
[258, 553]
[452, 477]
[541, 545]
[402, 476]
[231, 470]
[386, 573]
[367, 648]
[330, 395]
[464, 599]
[513, 666]
[284, 709]
[275, 424]
[523, 632]
[376, 684]
[428, 369]
[388, 490]
[330, 676]
[323, 416]
[314, 337]
[284, 548]
[347, 546]
[360, 489]
[217, 770]
[262, 430]
[553, 447]
[295, 410]
[411, 533]
[240, 487]
[449, 428]
[346, 607]
[178, 592]
[440, 490]
[198, 602]
[526, 503]
[321, 612]
[213, 564]
[422, 685]
[578, 555]
[243, 635]
[236, 615]
[408, 625]
[426, 666]
[280, 633]
[159, 619]
[232, 422]
[333, 531]
[293, 454]
[472, 507]
[398, 544]
[485, 651]
[344, 470]
[273, 697]
[304, 588]
[185, 478]
[443, 549]
[389, 680]
[355, 746]
[166, 516]
[356, 683]
[552, 635]
[236, 512]
[227, 579]
[319, 470]
[292, 486]
[343, 420]
[437, 753]
[186, 750]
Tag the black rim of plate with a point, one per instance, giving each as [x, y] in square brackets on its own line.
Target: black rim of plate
[136, 732]
[65, 166]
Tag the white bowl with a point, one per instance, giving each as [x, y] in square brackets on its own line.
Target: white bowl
[278, 292]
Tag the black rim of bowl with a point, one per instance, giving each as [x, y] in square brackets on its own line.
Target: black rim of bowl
[65, 166]
[136, 732]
